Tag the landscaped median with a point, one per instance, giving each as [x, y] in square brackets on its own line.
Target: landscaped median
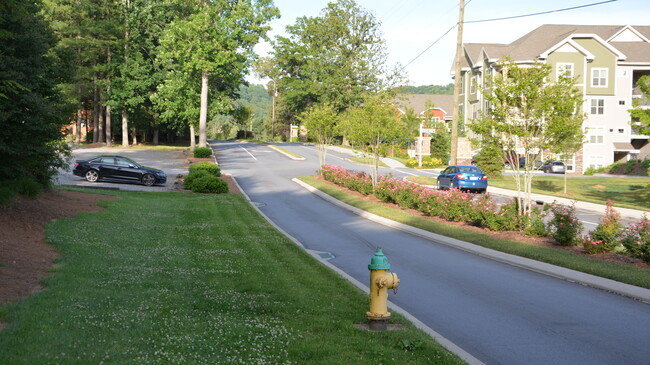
[616, 271]
[195, 278]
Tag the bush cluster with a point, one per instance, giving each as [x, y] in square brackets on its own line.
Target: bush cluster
[558, 221]
[206, 166]
[453, 204]
[202, 152]
[357, 181]
[204, 178]
[427, 161]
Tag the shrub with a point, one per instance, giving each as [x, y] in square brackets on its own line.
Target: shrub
[427, 161]
[590, 171]
[6, 194]
[295, 139]
[202, 152]
[194, 175]
[357, 181]
[629, 167]
[209, 184]
[607, 234]
[241, 134]
[636, 239]
[27, 187]
[564, 225]
[535, 226]
[613, 168]
[206, 166]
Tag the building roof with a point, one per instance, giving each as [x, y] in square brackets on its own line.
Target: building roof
[418, 102]
[533, 44]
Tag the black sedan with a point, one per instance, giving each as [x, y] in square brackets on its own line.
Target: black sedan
[118, 168]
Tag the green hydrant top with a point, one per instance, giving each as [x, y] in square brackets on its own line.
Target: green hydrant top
[379, 261]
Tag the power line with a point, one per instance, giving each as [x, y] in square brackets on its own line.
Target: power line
[540, 13]
[431, 45]
[505, 18]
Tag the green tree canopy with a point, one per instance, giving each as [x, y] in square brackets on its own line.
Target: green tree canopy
[336, 58]
[530, 115]
[641, 115]
[32, 111]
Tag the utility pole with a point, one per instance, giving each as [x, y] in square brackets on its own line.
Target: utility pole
[459, 50]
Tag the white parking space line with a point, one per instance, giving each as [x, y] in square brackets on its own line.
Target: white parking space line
[248, 153]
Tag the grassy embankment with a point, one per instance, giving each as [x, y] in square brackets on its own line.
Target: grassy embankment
[619, 272]
[188, 278]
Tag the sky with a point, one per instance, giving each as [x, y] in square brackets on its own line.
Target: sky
[410, 26]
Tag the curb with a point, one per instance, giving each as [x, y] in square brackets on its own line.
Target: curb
[626, 290]
[442, 341]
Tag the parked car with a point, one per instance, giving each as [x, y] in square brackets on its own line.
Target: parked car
[556, 167]
[522, 163]
[464, 177]
[118, 168]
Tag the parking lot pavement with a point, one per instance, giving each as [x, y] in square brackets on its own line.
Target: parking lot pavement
[172, 162]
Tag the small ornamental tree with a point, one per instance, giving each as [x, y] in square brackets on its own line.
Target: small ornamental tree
[640, 114]
[373, 127]
[321, 121]
[529, 115]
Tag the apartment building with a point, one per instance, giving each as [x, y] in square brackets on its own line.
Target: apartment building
[607, 61]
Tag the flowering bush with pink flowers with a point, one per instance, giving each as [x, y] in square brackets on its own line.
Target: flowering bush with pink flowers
[357, 181]
[564, 224]
[636, 239]
[607, 234]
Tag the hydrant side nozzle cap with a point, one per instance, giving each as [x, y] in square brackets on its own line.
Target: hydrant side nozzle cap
[379, 261]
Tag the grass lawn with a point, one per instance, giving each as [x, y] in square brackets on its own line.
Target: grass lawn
[367, 161]
[619, 272]
[625, 192]
[199, 279]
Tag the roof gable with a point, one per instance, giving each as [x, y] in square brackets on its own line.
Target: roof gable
[628, 34]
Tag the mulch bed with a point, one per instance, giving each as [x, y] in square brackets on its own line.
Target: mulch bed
[509, 235]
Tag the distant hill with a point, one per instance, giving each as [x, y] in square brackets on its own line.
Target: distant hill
[430, 89]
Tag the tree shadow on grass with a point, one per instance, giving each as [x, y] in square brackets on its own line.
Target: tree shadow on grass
[545, 185]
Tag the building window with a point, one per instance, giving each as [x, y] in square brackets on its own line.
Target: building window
[599, 77]
[475, 111]
[565, 69]
[569, 161]
[596, 162]
[598, 106]
[472, 86]
[595, 134]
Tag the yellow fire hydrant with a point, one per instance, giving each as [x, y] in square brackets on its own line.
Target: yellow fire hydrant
[380, 281]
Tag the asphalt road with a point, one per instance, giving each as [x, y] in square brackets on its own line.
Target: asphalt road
[498, 313]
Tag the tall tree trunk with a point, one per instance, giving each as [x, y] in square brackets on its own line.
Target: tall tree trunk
[125, 128]
[109, 132]
[155, 136]
[203, 114]
[96, 110]
[100, 128]
[134, 133]
[77, 138]
[192, 139]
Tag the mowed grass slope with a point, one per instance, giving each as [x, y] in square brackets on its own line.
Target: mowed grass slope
[198, 279]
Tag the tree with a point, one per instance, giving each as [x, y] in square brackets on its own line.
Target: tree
[529, 115]
[32, 109]
[322, 122]
[336, 58]
[373, 126]
[639, 113]
[215, 40]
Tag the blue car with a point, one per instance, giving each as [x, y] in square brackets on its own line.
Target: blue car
[464, 177]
